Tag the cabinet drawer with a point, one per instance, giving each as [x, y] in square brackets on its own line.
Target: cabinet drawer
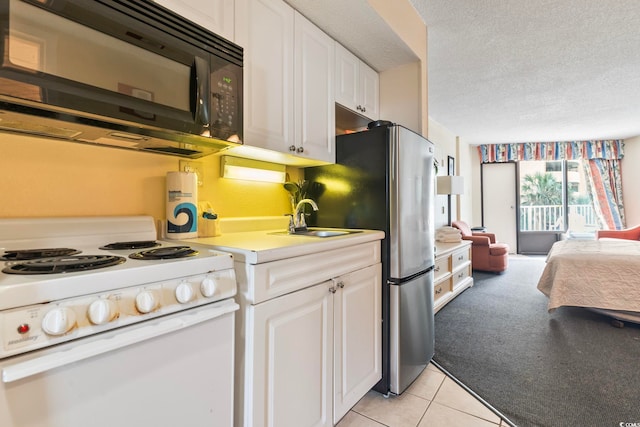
[441, 268]
[441, 289]
[460, 275]
[271, 279]
[459, 257]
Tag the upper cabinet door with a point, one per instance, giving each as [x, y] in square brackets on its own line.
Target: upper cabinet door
[369, 91]
[264, 28]
[347, 65]
[214, 15]
[357, 84]
[314, 92]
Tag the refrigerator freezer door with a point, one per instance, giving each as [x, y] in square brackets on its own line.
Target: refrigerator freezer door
[412, 340]
[411, 194]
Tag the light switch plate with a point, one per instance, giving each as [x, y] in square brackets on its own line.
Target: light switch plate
[192, 166]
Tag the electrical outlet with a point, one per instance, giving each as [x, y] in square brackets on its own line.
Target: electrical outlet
[192, 166]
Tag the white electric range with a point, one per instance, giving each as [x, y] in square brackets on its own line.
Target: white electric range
[81, 296]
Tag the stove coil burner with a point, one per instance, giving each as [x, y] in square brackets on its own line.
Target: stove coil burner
[169, 252]
[31, 254]
[68, 264]
[142, 244]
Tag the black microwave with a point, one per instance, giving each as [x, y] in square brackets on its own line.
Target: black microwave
[124, 73]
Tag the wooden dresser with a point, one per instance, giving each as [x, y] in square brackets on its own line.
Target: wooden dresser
[452, 273]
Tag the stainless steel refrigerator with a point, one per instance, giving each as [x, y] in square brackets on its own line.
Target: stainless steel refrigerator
[384, 179]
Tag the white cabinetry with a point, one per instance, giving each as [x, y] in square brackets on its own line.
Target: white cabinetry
[357, 84]
[290, 364]
[314, 92]
[214, 15]
[357, 337]
[452, 272]
[288, 80]
[310, 333]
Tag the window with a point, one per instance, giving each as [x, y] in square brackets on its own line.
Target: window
[553, 197]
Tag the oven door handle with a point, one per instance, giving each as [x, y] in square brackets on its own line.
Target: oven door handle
[121, 338]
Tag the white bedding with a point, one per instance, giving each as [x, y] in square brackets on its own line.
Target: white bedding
[603, 274]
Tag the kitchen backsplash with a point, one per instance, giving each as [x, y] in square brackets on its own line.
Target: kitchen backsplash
[45, 177]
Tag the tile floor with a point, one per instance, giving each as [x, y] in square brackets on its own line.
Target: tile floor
[433, 400]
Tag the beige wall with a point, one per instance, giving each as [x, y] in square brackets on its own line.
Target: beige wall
[445, 143]
[42, 177]
[631, 181]
[399, 96]
[405, 21]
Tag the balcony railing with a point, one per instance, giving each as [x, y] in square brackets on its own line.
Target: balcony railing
[550, 218]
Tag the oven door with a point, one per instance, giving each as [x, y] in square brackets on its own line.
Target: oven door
[172, 371]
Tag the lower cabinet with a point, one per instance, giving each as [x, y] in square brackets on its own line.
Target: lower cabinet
[357, 345]
[312, 354]
[452, 272]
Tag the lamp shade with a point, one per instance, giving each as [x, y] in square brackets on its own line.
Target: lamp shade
[450, 184]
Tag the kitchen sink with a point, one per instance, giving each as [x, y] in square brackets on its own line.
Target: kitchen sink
[317, 232]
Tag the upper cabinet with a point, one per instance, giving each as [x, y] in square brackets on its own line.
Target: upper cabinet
[314, 92]
[357, 84]
[288, 81]
[214, 15]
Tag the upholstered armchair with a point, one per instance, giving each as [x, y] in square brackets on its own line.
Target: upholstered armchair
[486, 253]
[632, 233]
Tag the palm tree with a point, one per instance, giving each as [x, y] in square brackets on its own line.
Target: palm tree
[540, 189]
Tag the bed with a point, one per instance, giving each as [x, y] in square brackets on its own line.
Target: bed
[602, 275]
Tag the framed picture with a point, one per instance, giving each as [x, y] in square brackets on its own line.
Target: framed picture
[451, 166]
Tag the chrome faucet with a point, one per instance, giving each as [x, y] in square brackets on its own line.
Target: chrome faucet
[299, 224]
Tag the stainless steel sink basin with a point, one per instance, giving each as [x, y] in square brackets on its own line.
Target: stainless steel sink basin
[317, 232]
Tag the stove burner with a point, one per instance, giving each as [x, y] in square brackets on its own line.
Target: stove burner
[67, 264]
[30, 254]
[169, 252]
[142, 244]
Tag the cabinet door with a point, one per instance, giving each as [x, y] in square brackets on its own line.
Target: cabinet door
[265, 29]
[347, 76]
[314, 92]
[288, 375]
[357, 84]
[357, 337]
[369, 91]
[214, 15]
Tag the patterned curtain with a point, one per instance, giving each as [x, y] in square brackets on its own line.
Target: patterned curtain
[601, 162]
[605, 189]
[567, 150]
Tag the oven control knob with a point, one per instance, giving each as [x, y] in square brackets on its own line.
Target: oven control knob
[184, 292]
[101, 311]
[146, 302]
[208, 287]
[59, 321]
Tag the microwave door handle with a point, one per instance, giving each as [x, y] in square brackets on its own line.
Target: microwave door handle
[200, 81]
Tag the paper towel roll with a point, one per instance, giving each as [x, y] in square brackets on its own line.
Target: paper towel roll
[182, 202]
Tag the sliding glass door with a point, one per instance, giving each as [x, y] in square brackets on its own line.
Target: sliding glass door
[553, 203]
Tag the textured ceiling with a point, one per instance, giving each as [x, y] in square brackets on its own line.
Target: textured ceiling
[535, 70]
[511, 71]
[358, 28]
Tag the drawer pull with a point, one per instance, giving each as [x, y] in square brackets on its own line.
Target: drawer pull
[461, 257]
[438, 291]
[437, 268]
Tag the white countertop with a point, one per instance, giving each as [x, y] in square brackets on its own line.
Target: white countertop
[255, 247]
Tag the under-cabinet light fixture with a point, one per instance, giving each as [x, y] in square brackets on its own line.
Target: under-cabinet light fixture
[251, 170]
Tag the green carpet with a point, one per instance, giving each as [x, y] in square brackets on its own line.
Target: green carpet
[568, 368]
